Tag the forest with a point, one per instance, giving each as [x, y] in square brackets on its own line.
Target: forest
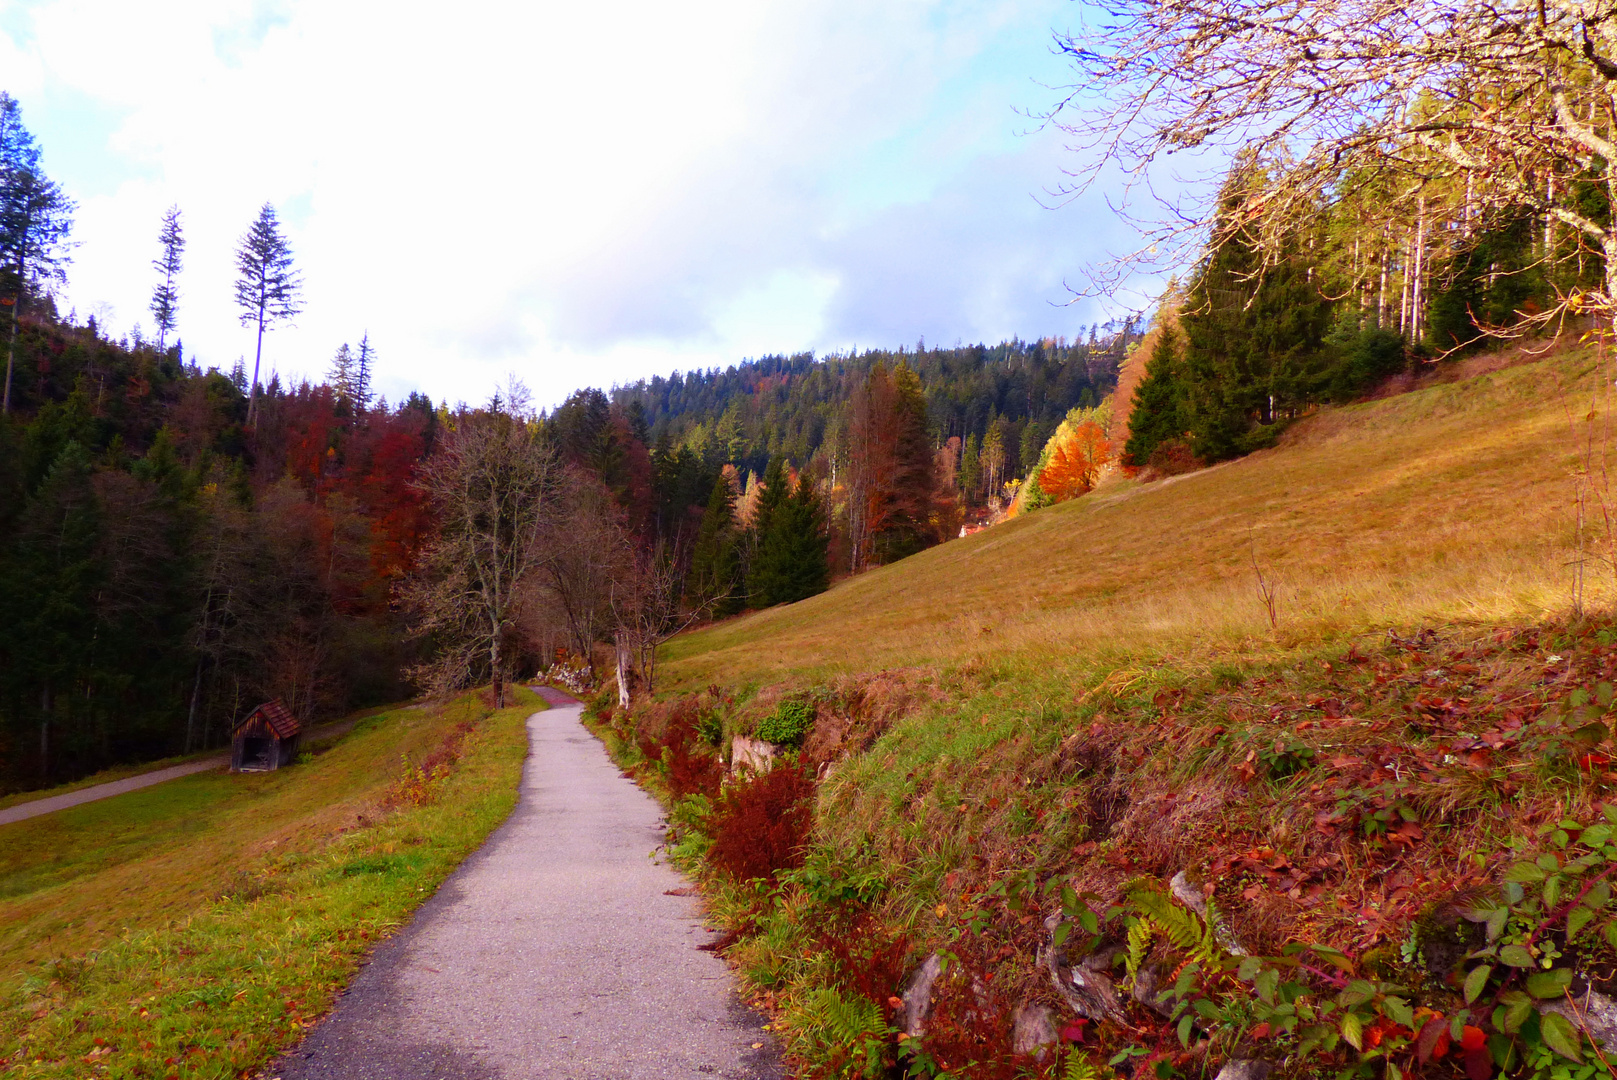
[182, 543]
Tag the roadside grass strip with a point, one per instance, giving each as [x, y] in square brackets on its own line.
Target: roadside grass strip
[195, 929]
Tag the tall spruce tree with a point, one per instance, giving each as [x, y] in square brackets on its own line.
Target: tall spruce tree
[715, 576]
[791, 561]
[268, 289]
[1254, 334]
[364, 387]
[1158, 412]
[35, 220]
[166, 297]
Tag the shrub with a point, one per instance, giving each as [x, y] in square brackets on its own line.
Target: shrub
[761, 826]
[1172, 457]
[787, 725]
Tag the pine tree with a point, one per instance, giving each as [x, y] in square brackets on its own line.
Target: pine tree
[1254, 335]
[341, 377]
[1158, 412]
[791, 561]
[35, 220]
[363, 389]
[716, 558]
[267, 287]
[971, 470]
[166, 297]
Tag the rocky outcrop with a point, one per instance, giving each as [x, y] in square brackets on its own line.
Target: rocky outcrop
[917, 995]
[1034, 1028]
[753, 755]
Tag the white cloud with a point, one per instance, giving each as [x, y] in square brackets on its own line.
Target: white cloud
[584, 193]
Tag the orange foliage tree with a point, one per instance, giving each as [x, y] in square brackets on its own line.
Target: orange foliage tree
[1076, 461]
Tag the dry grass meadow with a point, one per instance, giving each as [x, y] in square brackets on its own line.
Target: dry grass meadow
[1455, 503]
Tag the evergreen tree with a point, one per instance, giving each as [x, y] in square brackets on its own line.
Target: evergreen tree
[340, 377]
[364, 388]
[716, 557]
[791, 561]
[35, 220]
[1158, 411]
[166, 297]
[1254, 336]
[267, 287]
[971, 470]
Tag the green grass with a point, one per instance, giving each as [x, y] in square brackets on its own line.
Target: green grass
[193, 928]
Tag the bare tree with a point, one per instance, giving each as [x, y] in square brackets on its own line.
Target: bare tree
[646, 611]
[492, 481]
[1507, 107]
[585, 551]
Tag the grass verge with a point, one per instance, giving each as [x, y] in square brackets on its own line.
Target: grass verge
[193, 929]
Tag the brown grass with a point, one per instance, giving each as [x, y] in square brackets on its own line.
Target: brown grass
[1451, 503]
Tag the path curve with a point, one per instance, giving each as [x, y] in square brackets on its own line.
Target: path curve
[36, 807]
[556, 951]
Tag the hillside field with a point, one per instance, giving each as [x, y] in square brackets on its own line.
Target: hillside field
[1054, 718]
[1453, 502]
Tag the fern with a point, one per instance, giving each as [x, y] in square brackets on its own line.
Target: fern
[1080, 1067]
[1156, 912]
[854, 1029]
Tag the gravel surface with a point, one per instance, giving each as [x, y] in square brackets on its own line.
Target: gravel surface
[556, 951]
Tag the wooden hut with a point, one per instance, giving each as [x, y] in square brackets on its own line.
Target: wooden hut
[266, 740]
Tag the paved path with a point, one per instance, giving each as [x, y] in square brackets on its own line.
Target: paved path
[24, 811]
[554, 952]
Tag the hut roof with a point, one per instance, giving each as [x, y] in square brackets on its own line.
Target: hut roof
[277, 716]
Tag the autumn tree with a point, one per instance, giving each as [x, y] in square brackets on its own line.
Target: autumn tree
[492, 481]
[1075, 459]
[268, 288]
[166, 296]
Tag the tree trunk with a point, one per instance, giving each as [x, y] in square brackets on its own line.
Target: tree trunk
[191, 717]
[494, 668]
[11, 354]
[252, 388]
[46, 705]
[623, 670]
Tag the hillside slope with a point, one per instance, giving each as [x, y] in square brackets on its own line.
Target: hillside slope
[1084, 719]
[1450, 502]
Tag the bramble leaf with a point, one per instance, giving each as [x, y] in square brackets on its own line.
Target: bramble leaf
[1559, 1035]
[1549, 984]
[1525, 873]
[1516, 956]
[1475, 981]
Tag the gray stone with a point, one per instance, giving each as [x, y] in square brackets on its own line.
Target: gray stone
[1035, 1028]
[1593, 1012]
[1147, 992]
[1089, 992]
[752, 754]
[918, 995]
[1244, 1069]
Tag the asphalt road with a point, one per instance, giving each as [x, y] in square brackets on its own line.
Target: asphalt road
[36, 807]
[555, 952]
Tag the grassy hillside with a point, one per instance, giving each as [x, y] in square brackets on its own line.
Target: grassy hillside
[192, 928]
[1452, 502]
[1055, 718]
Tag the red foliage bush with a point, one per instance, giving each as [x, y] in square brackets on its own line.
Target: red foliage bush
[761, 826]
[869, 958]
[692, 768]
[1172, 457]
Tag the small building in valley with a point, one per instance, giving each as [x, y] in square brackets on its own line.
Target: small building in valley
[266, 740]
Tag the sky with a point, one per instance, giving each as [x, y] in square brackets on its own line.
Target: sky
[579, 194]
